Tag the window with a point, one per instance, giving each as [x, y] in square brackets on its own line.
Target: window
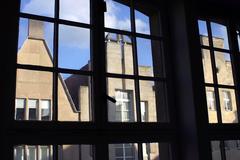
[34, 109]
[218, 67]
[227, 101]
[211, 100]
[85, 75]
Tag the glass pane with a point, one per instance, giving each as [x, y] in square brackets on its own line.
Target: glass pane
[74, 48]
[150, 105]
[142, 22]
[19, 112]
[123, 91]
[220, 36]
[238, 37]
[228, 105]
[232, 149]
[123, 151]
[35, 42]
[75, 10]
[45, 106]
[216, 152]
[150, 151]
[74, 97]
[224, 68]
[202, 26]
[38, 7]
[18, 153]
[33, 85]
[44, 152]
[31, 153]
[149, 58]
[75, 152]
[119, 53]
[207, 66]
[32, 105]
[117, 15]
[211, 104]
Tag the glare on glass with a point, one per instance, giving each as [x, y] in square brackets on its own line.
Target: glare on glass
[74, 97]
[74, 48]
[202, 27]
[117, 15]
[220, 35]
[224, 68]
[75, 10]
[238, 37]
[38, 7]
[35, 42]
[123, 91]
[119, 53]
[228, 105]
[211, 105]
[32, 88]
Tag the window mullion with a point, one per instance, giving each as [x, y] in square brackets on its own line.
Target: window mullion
[214, 70]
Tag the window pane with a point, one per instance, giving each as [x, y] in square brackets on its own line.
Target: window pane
[20, 106]
[224, 68]
[220, 36]
[149, 58]
[45, 153]
[238, 37]
[74, 97]
[211, 104]
[45, 106]
[35, 42]
[38, 7]
[228, 105]
[32, 109]
[207, 66]
[123, 151]
[75, 152]
[150, 151]
[31, 153]
[117, 15]
[33, 85]
[18, 153]
[232, 151]
[202, 26]
[150, 105]
[216, 152]
[74, 48]
[119, 53]
[75, 10]
[123, 91]
[142, 22]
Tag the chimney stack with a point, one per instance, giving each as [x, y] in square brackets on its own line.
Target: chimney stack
[35, 29]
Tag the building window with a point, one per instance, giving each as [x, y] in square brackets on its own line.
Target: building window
[34, 109]
[144, 111]
[124, 151]
[211, 100]
[227, 101]
[124, 106]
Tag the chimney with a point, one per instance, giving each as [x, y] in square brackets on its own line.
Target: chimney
[35, 29]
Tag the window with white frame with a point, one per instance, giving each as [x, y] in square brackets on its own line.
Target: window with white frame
[124, 103]
[144, 111]
[211, 100]
[227, 101]
[34, 109]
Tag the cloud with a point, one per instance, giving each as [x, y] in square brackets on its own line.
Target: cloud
[78, 10]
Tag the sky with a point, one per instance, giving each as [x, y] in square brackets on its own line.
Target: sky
[74, 42]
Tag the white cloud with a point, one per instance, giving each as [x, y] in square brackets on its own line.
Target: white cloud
[78, 10]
